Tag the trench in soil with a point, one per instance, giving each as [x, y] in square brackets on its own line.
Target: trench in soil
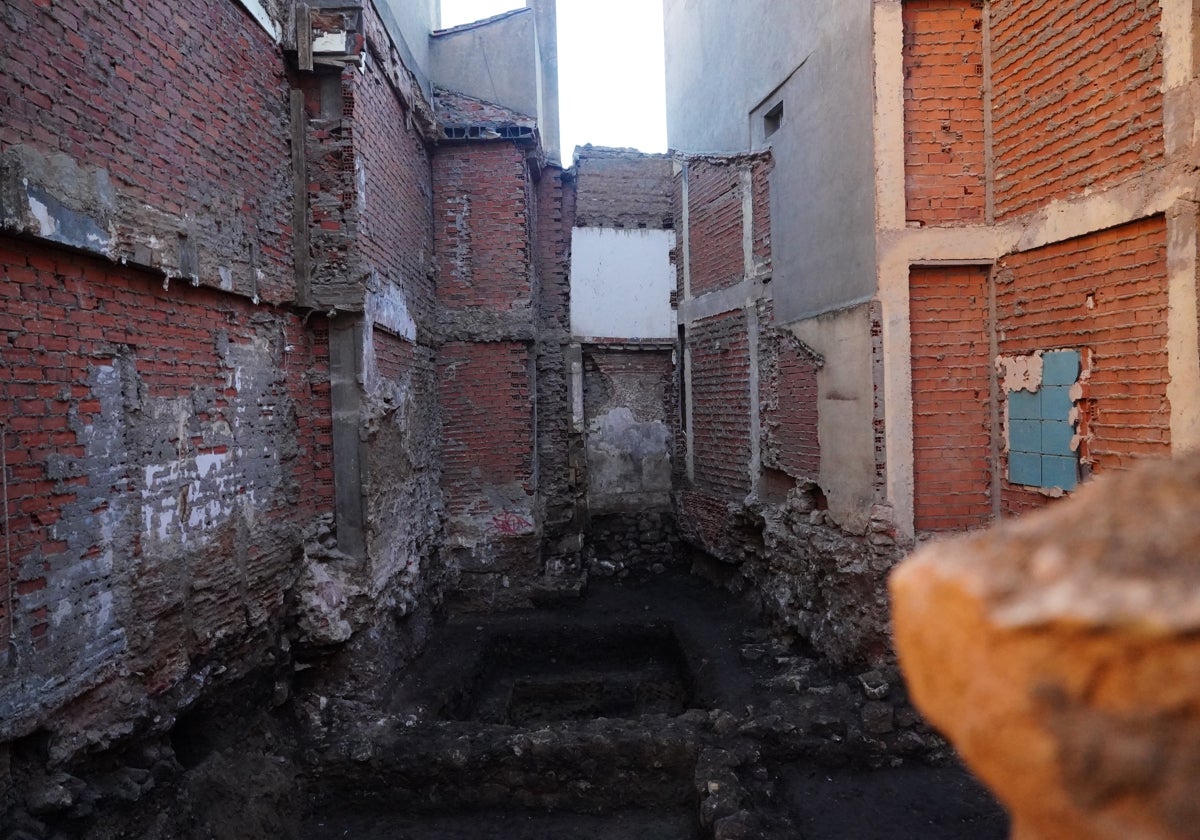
[658, 711]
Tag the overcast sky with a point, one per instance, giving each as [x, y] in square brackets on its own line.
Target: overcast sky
[610, 69]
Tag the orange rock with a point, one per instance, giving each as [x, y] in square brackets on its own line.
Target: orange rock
[1060, 653]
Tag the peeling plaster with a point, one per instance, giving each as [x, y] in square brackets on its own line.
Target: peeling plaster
[1019, 373]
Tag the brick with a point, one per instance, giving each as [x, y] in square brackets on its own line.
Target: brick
[1075, 107]
[943, 111]
[951, 426]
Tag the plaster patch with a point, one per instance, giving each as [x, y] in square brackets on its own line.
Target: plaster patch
[1019, 373]
[387, 307]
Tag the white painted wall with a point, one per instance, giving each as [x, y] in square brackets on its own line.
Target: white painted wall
[621, 283]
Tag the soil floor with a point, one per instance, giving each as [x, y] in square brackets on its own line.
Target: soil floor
[661, 709]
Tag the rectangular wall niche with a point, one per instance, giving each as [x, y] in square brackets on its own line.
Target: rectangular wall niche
[1040, 427]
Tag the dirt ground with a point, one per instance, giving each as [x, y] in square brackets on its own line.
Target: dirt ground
[768, 741]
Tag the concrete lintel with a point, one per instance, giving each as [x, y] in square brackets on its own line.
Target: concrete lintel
[888, 23]
[573, 357]
[1178, 29]
[743, 294]
[1136, 199]
[345, 363]
[1183, 341]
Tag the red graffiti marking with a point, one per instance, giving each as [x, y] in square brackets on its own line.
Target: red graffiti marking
[507, 523]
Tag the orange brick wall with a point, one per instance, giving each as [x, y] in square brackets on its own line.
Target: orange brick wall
[721, 404]
[951, 397]
[1076, 96]
[1106, 294]
[715, 226]
[943, 111]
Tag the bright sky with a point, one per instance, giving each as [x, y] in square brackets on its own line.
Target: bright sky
[610, 69]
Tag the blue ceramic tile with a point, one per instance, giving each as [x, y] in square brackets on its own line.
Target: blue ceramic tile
[1060, 367]
[1023, 405]
[1056, 438]
[1024, 468]
[1056, 402]
[1059, 472]
[1025, 436]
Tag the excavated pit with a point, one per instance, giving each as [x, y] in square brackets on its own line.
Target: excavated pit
[657, 710]
[615, 671]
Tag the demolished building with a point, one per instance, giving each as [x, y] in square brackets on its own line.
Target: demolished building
[310, 338]
[982, 276]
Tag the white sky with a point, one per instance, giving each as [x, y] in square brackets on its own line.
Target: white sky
[610, 69]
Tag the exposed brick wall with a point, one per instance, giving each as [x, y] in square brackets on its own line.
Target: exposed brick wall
[481, 226]
[1105, 294]
[487, 409]
[395, 231]
[623, 189]
[951, 391]
[1077, 99]
[714, 225]
[788, 384]
[184, 109]
[943, 111]
[761, 186]
[720, 378]
[708, 521]
[164, 451]
[555, 212]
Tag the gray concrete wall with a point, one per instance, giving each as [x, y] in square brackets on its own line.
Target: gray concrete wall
[727, 66]
[494, 60]
[409, 22]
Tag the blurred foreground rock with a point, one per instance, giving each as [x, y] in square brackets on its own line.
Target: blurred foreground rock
[1061, 655]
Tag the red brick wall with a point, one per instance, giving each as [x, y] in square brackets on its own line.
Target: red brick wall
[761, 186]
[714, 226]
[951, 376]
[481, 226]
[623, 189]
[720, 375]
[487, 412]
[1076, 96]
[195, 351]
[185, 106]
[1105, 294]
[395, 230]
[790, 413]
[943, 111]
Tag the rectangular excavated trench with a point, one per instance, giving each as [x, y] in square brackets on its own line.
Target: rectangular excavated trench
[606, 671]
[660, 711]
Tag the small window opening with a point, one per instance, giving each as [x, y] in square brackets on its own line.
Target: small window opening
[773, 119]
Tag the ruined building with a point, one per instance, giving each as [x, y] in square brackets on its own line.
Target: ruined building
[980, 284]
[309, 340]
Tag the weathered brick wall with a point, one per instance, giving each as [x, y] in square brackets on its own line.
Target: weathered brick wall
[165, 450]
[619, 188]
[167, 125]
[394, 245]
[1077, 99]
[715, 226]
[721, 405]
[560, 493]
[951, 392]
[788, 385]
[628, 411]
[1104, 294]
[760, 185]
[488, 415]
[485, 231]
[481, 217]
[943, 111]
